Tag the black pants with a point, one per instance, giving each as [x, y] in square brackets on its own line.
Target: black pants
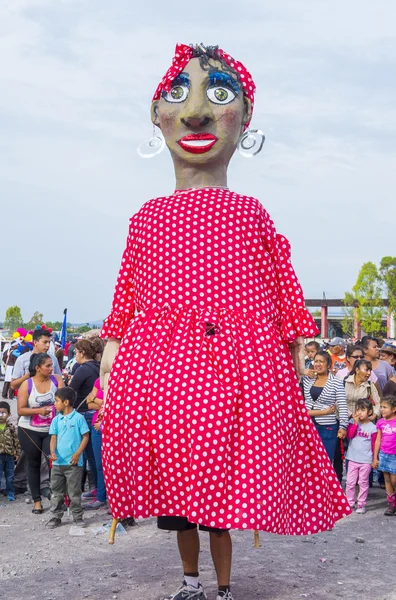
[41, 441]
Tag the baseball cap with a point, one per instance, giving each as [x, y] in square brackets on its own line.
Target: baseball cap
[337, 341]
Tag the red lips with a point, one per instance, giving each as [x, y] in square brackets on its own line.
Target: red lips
[198, 143]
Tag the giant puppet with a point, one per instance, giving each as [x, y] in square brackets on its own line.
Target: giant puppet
[205, 423]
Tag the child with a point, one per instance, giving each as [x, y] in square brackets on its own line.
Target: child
[9, 449]
[69, 436]
[385, 450]
[362, 434]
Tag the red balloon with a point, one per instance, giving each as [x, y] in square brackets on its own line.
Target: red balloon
[50, 329]
[43, 326]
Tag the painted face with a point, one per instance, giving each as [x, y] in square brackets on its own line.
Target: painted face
[4, 414]
[203, 114]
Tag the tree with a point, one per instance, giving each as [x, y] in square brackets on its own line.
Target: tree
[388, 276]
[84, 329]
[368, 293]
[55, 325]
[37, 319]
[13, 318]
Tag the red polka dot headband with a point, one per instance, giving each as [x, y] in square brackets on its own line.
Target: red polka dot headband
[183, 55]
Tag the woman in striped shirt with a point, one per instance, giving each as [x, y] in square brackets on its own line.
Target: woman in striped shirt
[325, 400]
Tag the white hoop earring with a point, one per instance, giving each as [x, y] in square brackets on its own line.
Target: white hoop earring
[251, 143]
[153, 146]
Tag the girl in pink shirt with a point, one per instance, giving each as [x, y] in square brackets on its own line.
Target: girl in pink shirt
[385, 450]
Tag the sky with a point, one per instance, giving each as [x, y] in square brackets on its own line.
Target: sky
[76, 81]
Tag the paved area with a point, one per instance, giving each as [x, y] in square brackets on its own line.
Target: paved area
[357, 560]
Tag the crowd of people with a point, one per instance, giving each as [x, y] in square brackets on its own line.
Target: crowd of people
[56, 447]
[350, 394]
[349, 391]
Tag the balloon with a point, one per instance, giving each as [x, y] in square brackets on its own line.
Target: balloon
[22, 332]
[43, 326]
[16, 335]
[50, 329]
[30, 331]
[38, 327]
[28, 337]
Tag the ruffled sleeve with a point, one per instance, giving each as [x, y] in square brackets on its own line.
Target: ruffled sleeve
[295, 319]
[123, 306]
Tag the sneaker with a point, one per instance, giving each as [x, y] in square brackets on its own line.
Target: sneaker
[11, 497]
[79, 522]
[361, 510]
[224, 596]
[95, 505]
[188, 592]
[90, 494]
[53, 523]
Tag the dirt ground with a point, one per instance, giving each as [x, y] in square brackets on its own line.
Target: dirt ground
[357, 560]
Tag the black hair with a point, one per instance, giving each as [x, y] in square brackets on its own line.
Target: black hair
[326, 356]
[206, 53]
[389, 400]
[5, 405]
[359, 363]
[38, 333]
[36, 360]
[366, 339]
[67, 393]
[351, 348]
[365, 404]
[313, 343]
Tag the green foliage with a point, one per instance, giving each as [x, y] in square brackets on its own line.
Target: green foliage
[388, 276]
[54, 325]
[368, 293]
[83, 329]
[13, 318]
[37, 319]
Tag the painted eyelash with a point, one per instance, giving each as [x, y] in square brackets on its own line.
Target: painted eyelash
[218, 77]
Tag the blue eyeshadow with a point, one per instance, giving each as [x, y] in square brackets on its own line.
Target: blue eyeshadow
[219, 77]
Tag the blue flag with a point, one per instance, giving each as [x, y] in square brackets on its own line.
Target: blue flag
[63, 330]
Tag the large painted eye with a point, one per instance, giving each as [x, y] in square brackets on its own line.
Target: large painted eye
[178, 93]
[220, 95]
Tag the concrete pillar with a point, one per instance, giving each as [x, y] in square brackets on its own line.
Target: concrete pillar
[324, 323]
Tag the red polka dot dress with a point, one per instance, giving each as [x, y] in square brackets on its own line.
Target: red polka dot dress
[212, 427]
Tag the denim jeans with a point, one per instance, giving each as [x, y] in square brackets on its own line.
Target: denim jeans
[96, 437]
[88, 452]
[328, 435]
[7, 467]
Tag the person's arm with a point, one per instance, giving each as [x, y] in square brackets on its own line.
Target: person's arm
[352, 430]
[17, 446]
[22, 404]
[92, 401]
[53, 441]
[373, 440]
[342, 407]
[377, 402]
[78, 378]
[377, 446]
[80, 450]
[60, 381]
[18, 376]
